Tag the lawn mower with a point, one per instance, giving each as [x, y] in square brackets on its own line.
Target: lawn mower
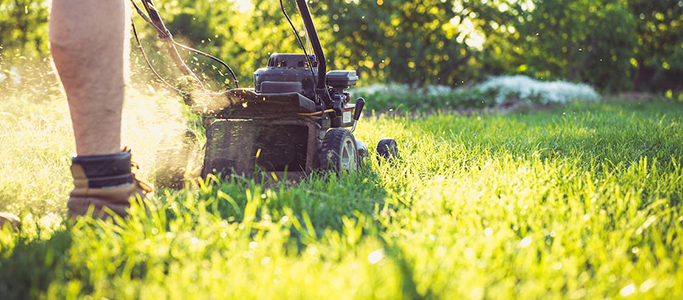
[298, 117]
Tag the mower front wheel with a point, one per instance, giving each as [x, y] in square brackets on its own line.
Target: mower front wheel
[339, 152]
[387, 148]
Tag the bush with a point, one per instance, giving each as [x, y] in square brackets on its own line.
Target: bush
[533, 91]
[496, 90]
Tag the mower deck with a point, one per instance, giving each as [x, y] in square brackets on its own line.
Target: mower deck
[284, 146]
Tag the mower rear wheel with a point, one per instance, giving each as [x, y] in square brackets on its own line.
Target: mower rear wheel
[339, 152]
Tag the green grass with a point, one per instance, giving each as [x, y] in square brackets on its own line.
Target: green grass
[582, 201]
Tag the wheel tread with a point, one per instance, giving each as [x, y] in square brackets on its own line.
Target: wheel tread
[331, 146]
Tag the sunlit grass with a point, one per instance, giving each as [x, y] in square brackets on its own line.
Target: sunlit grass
[582, 201]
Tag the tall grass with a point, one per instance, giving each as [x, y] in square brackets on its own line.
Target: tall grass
[581, 201]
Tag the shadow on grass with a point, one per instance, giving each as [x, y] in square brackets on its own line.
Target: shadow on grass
[318, 202]
[30, 267]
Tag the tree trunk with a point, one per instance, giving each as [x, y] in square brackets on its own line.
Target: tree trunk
[637, 75]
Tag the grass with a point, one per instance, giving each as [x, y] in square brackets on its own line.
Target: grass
[579, 202]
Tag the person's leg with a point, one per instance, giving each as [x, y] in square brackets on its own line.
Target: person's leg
[87, 42]
[87, 45]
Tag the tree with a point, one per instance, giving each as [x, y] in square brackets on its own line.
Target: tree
[23, 25]
[577, 40]
[611, 44]
[658, 59]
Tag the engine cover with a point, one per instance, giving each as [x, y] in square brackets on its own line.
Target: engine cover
[286, 73]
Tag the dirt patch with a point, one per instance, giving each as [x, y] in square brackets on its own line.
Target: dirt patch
[634, 97]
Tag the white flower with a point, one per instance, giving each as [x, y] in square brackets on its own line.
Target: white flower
[530, 90]
[504, 87]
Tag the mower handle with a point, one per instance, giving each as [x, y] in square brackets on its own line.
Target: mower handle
[360, 103]
[321, 87]
[167, 38]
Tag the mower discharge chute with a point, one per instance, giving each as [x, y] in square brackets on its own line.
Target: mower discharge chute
[295, 119]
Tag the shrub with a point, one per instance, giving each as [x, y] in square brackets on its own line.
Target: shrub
[496, 90]
[533, 91]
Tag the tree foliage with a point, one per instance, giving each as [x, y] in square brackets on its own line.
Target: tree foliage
[23, 29]
[612, 44]
[578, 40]
[658, 58]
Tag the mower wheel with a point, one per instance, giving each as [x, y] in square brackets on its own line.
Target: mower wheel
[339, 152]
[387, 148]
[362, 150]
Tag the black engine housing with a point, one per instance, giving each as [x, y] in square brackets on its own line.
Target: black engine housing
[287, 73]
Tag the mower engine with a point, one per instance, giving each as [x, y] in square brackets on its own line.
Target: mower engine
[287, 73]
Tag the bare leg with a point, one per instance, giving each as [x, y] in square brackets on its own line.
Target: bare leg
[87, 42]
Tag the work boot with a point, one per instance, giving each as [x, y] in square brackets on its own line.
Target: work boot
[11, 219]
[105, 181]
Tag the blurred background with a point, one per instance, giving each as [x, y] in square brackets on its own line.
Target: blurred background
[612, 45]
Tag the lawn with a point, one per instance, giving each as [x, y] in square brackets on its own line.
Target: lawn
[581, 201]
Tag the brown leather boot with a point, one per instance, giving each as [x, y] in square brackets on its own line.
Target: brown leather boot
[11, 219]
[104, 181]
